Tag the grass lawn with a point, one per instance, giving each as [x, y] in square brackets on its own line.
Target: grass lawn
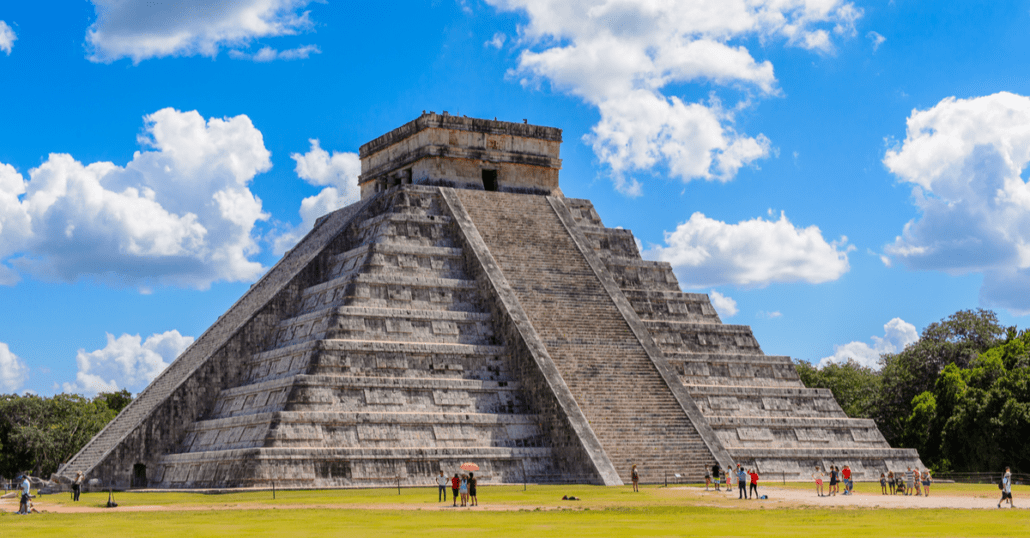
[533, 513]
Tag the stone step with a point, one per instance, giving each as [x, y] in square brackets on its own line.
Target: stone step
[615, 241]
[384, 358]
[393, 291]
[687, 337]
[657, 305]
[394, 324]
[583, 212]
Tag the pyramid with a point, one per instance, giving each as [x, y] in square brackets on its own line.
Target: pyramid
[465, 310]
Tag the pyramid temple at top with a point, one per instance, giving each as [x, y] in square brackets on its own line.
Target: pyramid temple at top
[465, 310]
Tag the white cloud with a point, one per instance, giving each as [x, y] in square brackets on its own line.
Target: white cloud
[897, 334]
[268, 54]
[965, 159]
[338, 173]
[706, 252]
[624, 56]
[876, 39]
[141, 29]
[126, 362]
[179, 213]
[725, 306]
[497, 41]
[770, 315]
[7, 38]
[13, 371]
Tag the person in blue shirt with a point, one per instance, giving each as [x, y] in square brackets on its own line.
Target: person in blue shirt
[742, 482]
[25, 485]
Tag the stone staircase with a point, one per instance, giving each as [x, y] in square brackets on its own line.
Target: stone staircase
[759, 408]
[628, 404]
[388, 372]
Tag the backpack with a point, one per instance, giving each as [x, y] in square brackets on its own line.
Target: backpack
[1001, 484]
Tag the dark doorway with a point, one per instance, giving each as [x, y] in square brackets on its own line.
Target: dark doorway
[490, 180]
[139, 476]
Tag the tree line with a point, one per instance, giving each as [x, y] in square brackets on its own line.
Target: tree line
[38, 434]
[960, 395]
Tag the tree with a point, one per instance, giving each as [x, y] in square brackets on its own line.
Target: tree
[957, 340]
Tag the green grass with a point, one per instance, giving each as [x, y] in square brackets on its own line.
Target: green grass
[603, 512]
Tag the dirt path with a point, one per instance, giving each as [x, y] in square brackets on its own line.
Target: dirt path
[691, 496]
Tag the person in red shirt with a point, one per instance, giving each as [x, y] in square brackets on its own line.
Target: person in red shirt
[754, 483]
[846, 474]
[454, 488]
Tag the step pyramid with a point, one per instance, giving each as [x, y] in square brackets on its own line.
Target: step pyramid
[435, 322]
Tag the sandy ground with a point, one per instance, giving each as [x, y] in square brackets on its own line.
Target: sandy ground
[692, 496]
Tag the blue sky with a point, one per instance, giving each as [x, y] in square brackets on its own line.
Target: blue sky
[837, 174]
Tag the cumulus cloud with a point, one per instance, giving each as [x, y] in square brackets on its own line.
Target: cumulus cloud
[965, 159]
[876, 39]
[897, 334]
[7, 38]
[706, 252]
[13, 371]
[126, 362]
[497, 41]
[725, 306]
[141, 29]
[268, 54]
[624, 56]
[338, 173]
[179, 213]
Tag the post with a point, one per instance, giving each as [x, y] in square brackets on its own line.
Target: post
[273, 490]
[398, 484]
[523, 474]
[666, 478]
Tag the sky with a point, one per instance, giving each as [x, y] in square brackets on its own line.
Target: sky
[835, 174]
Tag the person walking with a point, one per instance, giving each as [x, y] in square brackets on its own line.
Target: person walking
[635, 477]
[455, 485]
[818, 477]
[1006, 488]
[77, 485]
[715, 476]
[23, 508]
[927, 479]
[883, 484]
[742, 482]
[708, 479]
[846, 474]
[463, 489]
[909, 481]
[916, 480]
[754, 483]
[472, 490]
[833, 480]
[441, 482]
[890, 482]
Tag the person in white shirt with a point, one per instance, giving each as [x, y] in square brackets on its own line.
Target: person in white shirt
[25, 485]
[442, 482]
[1006, 488]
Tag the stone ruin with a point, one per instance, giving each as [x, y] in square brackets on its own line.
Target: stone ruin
[465, 310]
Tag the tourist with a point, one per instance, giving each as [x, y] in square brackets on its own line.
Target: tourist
[1006, 488]
[26, 485]
[472, 490]
[731, 476]
[708, 479]
[754, 483]
[818, 477]
[715, 476]
[883, 484]
[77, 485]
[927, 479]
[635, 477]
[846, 474]
[463, 488]
[741, 482]
[910, 480]
[918, 481]
[833, 480]
[455, 485]
[890, 482]
[441, 482]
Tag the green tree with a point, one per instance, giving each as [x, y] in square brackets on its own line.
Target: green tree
[957, 340]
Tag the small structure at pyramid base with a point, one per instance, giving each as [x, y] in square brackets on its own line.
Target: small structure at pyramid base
[464, 310]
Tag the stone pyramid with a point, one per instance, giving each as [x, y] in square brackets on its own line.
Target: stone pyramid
[465, 310]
